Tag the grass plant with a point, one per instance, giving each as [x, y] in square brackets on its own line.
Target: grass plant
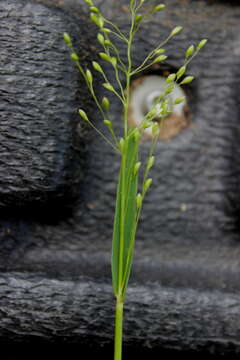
[131, 189]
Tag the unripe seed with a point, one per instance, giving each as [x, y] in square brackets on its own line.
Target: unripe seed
[179, 100]
[190, 51]
[114, 61]
[106, 103]
[202, 43]
[147, 185]
[83, 115]
[107, 43]
[67, 39]
[101, 22]
[97, 67]
[159, 51]
[176, 30]
[138, 18]
[136, 168]
[100, 38]
[187, 80]
[159, 7]
[181, 72]
[106, 30]
[105, 57]
[150, 162]
[94, 9]
[96, 19]
[74, 57]
[89, 2]
[108, 123]
[160, 58]
[89, 76]
[108, 86]
[169, 89]
[171, 78]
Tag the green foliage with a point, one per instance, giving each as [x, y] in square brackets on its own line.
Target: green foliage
[129, 200]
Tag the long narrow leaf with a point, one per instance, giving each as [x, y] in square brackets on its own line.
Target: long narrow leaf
[125, 206]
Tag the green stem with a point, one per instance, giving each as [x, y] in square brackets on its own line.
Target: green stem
[118, 329]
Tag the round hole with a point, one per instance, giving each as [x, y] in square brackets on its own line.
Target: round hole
[144, 92]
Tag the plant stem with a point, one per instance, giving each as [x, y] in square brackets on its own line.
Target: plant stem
[118, 329]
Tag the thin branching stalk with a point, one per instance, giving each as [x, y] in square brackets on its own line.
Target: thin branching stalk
[129, 201]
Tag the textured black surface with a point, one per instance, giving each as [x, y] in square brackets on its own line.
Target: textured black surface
[40, 155]
[55, 282]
